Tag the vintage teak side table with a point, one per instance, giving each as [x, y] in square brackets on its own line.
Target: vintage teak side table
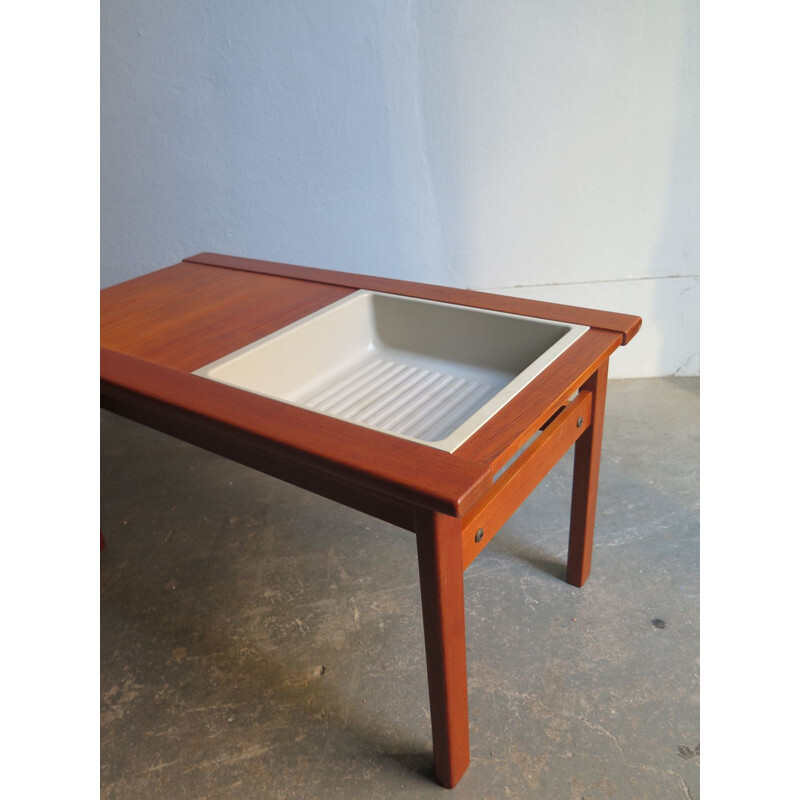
[435, 421]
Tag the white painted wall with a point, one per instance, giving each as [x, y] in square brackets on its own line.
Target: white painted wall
[546, 148]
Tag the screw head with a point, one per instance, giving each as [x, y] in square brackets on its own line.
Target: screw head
[580, 421]
[479, 535]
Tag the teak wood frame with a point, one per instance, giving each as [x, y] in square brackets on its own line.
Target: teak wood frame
[158, 328]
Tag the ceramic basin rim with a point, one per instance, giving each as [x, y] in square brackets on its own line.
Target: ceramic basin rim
[468, 426]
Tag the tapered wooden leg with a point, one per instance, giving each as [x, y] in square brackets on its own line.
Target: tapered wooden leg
[584, 483]
[442, 584]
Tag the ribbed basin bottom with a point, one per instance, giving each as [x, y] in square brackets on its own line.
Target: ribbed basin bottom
[402, 398]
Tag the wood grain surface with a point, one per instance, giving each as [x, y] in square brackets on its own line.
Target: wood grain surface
[187, 316]
[586, 472]
[625, 324]
[442, 589]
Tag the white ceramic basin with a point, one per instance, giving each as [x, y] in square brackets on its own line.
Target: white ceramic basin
[428, 371]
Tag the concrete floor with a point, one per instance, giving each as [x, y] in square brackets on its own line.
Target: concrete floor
[259, 641]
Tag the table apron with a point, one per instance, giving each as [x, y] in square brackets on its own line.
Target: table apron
[229, 443]
[489, 515]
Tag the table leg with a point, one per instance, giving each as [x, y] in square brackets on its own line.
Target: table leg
[584, 483]
[442, 587]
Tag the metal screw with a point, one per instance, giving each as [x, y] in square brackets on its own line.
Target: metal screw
[479, 535]
[580, 421]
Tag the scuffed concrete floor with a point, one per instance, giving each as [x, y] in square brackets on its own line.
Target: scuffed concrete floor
[261, 642]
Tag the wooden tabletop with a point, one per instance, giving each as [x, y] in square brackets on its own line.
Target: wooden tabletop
[157, 329]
